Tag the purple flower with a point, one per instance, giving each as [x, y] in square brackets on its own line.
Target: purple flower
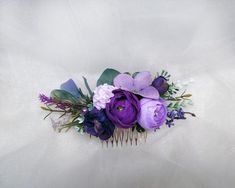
[48, 100]
[97, 124]
[160, 83]
[175, 114]
[44, 99]
[153, 113]
[140, 84]
[123, 109]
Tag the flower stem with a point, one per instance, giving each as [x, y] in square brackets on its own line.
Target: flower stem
[192, 114]
[51, 110]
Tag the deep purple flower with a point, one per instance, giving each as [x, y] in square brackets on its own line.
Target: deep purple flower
[48, 100]
[170, 122]
[44, 99]
[123, 109]
[140, 84]
[174, 114]
[160, 83]
[153, 113]
[97, 124]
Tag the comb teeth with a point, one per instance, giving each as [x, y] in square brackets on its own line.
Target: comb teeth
[123, 137]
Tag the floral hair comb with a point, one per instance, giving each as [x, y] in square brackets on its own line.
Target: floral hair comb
[122, 108]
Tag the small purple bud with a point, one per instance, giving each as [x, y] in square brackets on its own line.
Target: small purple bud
[160, 83]
[84, 110]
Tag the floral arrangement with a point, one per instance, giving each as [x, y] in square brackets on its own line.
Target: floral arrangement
[122, 107]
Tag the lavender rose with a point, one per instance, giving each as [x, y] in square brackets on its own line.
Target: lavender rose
[123, 109]
[153, 113]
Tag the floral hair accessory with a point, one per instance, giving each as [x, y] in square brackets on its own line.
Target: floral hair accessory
[122, 108]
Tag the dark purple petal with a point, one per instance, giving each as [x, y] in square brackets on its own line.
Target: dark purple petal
[97, 124]
[160, 83]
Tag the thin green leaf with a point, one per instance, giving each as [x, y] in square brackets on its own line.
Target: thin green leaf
[87, 86]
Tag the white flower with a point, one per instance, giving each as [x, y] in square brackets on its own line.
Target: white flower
[102, 95]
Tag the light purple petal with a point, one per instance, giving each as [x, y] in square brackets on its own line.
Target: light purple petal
[142, 80]
[149, 92]
[124, 81]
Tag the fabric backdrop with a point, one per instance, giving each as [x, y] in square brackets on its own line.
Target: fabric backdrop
[45, 42]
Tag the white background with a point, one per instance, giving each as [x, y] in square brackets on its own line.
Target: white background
[45, 42]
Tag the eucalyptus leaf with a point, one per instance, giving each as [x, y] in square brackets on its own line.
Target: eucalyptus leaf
[176, 105]
[107, 77]
[127, 73]
[63, 96]
[134, 74]
[79, 128]
[90, 107]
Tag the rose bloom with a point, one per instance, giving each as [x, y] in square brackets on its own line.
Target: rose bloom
[153, 113]
[123, 109]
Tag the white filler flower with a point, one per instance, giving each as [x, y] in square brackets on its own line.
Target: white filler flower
[102, 95]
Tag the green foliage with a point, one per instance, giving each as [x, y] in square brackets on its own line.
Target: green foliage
[173, 89]
[127, 73]
[138, 128]
[176, 105]
[79, 128]
[63, 96]
[90, 106]
[87, 86]
[134, 74]
[68, 125]
[107, 77]
[164, 74]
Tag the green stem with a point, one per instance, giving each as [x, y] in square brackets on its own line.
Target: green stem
[192, 114]
[51, 110]
[179, 98]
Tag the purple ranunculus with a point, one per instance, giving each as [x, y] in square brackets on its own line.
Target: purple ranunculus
[153, 113]
[97, 124]
[160, 83]
[140, 84]
[123, 109]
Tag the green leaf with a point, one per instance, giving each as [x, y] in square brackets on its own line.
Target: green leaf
[138, 128]
[170, 105]
[107, 77]
[134, 74]
[176, 105]
[63, 96]
[90, 107]
[87, 86]
[127, 73]
[79, 128]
